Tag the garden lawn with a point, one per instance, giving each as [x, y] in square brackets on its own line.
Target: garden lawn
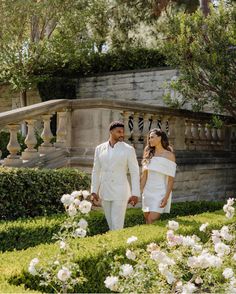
[95, 253]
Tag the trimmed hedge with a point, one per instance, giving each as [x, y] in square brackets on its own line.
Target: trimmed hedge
[26, 192]
[95, 253]
[23, 234]
[114, 60]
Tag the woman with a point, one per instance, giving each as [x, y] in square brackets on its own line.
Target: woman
[157, 177]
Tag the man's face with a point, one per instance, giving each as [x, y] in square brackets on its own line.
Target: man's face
[117, 134]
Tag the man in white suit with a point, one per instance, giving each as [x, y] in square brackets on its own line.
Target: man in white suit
[112, 160]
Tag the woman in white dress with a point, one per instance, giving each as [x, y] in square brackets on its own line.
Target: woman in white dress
[157, 179]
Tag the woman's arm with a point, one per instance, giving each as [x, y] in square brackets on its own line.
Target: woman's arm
[169, 188]
[143, 180]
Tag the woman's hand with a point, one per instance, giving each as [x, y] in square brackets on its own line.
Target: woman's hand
[163, 202]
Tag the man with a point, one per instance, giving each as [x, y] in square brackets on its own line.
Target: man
[109, 176]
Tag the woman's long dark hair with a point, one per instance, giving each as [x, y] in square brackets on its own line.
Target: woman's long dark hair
[149, 151]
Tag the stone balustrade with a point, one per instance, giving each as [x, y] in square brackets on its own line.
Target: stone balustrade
[83, 123]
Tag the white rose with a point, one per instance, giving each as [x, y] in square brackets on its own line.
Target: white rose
[173, 225]
[198, 280]
[85, 194]
[80, 233]
[131, 239]
[188, 241]
[228, 273]
[75, 194]
[64, 274]
[72, 210]
[170, 278]
[63, 245]
[77, 202]
[189, 288]
[67, 199]
[32, 270]
[111, 283]
[130, 254]
[83, 224]
[224, 232]
[152, 247]
[85, 206]
[230, 201]
[221, 249]
[203, 227]
[34, 261]
[126, 270]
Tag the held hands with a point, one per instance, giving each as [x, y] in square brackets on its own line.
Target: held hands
[163, 202]
[95, 199]
[133, 200]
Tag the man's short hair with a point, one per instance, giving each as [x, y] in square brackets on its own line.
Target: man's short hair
[116, 124]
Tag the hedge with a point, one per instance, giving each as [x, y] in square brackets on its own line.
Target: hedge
[22, 234]
[27, 192]
[113, 60]
[95, 253]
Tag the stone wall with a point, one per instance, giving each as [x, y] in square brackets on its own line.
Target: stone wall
[9, 99]
[145, 86]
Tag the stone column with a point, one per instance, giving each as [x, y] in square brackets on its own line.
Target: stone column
[126, 116]
[13, 159]
[46, 135]
[146, 125]
[30, 141]
[61, 129]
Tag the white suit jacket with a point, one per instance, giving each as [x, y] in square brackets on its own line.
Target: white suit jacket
[109, 175]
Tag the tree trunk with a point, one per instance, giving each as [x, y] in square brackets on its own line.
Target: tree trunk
[23, 98]
[204, 6]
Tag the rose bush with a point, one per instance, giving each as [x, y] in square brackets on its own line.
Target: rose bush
[181, 264]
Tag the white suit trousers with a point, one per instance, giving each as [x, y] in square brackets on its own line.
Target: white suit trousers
[115, 213]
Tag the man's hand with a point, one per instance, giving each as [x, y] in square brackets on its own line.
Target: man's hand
[133, 200]
[95, 197]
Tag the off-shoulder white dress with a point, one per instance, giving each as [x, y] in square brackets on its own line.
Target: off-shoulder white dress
[159, 168]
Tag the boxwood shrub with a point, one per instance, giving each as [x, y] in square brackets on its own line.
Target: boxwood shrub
[96, 253]
[25, 233]
[26, 192]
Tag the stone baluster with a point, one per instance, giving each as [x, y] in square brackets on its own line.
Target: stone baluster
[154, 121]
[164, 124]
[209, 135]
[127, 134]
[136, 131]
[171, 130]
[146, 126]
[188, 134]
[30, 152]
[13, 159]
[202, 136]
[46, 135]
[221, 137]
[215, 138]
[61, 129]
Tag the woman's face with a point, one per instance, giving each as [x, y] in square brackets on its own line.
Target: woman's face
[154, 140]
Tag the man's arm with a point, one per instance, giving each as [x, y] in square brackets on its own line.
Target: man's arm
[135, 179]
[95, 175]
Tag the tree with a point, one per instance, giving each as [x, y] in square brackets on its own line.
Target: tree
[37, 34]
[203, 49]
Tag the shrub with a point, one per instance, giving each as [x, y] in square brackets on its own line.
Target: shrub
[25, 233]
[96, 253]
[28, 192]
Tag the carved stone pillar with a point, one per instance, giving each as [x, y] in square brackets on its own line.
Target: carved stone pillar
[46, 135]
[126, 116]
[146, 126]
[61, 129]
[188, 134]
[30, 141]
[13, 159]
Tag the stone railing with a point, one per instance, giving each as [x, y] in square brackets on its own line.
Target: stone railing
[83, 123]
[35, 116]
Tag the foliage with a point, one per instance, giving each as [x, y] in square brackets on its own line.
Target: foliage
[96, 253]
[203, 50]
[25, 233]
[26, 192]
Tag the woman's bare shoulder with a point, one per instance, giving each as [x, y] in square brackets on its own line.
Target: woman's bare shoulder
[170, 155]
